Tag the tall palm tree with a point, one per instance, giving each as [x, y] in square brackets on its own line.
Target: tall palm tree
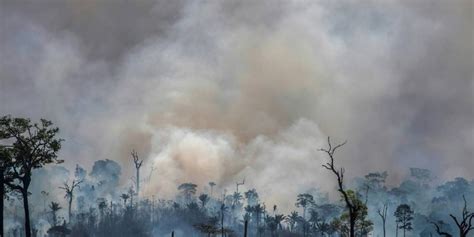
[279, 218]
[55, 207]
[292, 219]
[304, 200]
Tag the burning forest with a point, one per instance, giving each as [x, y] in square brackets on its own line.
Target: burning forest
[274, 118]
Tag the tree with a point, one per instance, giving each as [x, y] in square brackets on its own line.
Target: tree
[292, 219]
[304, 200]
[124, 197]
[70, 194]
[212, 184]
[252, 197]
[363, 226]
[34, 146]
[382, 212]
[223, 210]
[138, 164]
[404, 216]
[279, 218]
[464, 224]
[188, 190]
[374, 182]
[440, 232]
[339, 173]
[207, 228]
[55, 207]
[204, 198]
[6, 164]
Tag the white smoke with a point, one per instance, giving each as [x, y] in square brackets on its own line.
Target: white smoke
[219, 91]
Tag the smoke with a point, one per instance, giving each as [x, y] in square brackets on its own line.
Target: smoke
[211, 91]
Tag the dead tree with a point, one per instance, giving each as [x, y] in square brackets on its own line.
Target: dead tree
[70, 193]
[465, 224]
[339, 173]
[238, 184]
[138, 164]
[439, 231]
[383, 215]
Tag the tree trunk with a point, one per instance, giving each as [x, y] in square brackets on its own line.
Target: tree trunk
[383, 222]
[222, 223]
[403, 232]
[2, 195]
[27, 213]
[352, 224]
[138, 184]
[245, 228]
[69, 208]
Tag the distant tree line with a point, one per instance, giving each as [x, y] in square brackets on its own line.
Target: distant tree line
[97, 206]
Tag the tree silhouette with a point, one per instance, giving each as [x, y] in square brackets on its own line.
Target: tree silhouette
[339, 173]
[382, 212]
[124, 197]
[440, 232]
[279, 218]
[212, 184]
[35, 145]
[204, 198]
[207, 228]
[138, 164]
[304, 200]
[69, 189]
[292, 219]
[464, 224]
[188, 190]
[6, 164]
[404, 216]
[252, 197]
[55, 207]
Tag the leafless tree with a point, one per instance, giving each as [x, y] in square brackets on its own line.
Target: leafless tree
[138, 164]
[383, 215]
[239, 184]
[70, 193]
[465, 224]
[339, 173]
[439, 231]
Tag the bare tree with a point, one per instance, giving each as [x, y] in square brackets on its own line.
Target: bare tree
[383, 215]
[138, 164]
[239, 184]
[439, 231]
[339, 173]
[465, 224]
[70, 193]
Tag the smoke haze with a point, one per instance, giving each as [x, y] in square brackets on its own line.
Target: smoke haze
[221, 91]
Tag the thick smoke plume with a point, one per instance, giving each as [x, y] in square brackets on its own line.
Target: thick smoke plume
[221, 91]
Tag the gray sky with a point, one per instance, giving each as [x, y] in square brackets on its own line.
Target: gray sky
[212, 90]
